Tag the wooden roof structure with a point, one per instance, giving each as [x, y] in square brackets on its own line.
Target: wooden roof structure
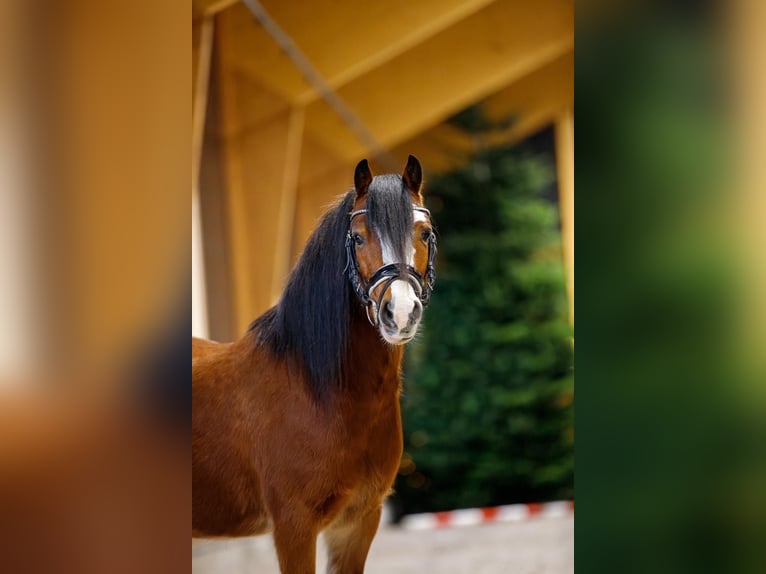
[269, 152]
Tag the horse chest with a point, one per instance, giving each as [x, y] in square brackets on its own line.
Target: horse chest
[366, 467]
[373, 447]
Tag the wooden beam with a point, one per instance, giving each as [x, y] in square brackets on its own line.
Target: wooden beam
[415, 22]
[493, 48]
[209, 8]
[485, 52]
[536, 100]
[531, 103]
[565, 164]
[341, 38]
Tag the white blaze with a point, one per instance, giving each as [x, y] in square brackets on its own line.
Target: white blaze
[403, 296]
[403, 300]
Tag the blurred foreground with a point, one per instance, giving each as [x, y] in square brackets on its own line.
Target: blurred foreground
[540, 546]
[88, 486]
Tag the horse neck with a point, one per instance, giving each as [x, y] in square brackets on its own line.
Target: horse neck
[374, 365]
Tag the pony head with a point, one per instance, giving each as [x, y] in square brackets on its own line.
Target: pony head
[391, 247]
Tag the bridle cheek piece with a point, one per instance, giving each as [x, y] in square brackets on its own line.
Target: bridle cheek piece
[387, 274]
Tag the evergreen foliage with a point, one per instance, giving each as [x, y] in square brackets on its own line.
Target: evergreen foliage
[487, 405]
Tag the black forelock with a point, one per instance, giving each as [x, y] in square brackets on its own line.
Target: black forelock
[389, 213]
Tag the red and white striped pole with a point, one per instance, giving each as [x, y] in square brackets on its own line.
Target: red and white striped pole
[474, 516]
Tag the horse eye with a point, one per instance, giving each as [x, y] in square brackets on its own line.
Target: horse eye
[358, 239]
[426, 235]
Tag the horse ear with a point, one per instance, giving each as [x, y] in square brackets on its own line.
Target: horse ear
[413, 174]
[362, 177]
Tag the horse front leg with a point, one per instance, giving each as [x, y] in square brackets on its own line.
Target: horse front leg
[296, 547]
[349, 539]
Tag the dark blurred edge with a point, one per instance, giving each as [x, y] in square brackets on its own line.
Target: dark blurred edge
[669, 459]
[94, 453]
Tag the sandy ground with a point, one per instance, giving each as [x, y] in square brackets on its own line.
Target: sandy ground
[536, 546]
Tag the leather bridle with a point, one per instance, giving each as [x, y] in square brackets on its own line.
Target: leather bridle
[387, 274]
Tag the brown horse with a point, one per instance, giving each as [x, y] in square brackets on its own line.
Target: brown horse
[296, 426]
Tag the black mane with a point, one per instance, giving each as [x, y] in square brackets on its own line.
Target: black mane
[310, 326]
[311, 322]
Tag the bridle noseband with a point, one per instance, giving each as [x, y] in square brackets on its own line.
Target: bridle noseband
[387, 274]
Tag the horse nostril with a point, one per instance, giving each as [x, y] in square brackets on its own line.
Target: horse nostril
[387, 314]
[417, 311]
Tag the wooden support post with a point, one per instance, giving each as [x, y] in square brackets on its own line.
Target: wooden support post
[261, 178]
[201, 76]
[565, 166]
[288, 201]
[203, 50]
[261, 162]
